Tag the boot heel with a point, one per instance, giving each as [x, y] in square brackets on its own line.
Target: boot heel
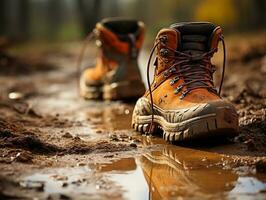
[123, 90]
[89, 92]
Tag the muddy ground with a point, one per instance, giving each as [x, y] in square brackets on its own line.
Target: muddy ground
[54, 145]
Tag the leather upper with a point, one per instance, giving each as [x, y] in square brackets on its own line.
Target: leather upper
[117, 38]
[163, 91]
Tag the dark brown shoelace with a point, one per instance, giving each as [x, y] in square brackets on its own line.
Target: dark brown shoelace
[192, 68]
[88, 38]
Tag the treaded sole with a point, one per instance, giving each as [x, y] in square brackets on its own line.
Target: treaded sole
[206, 126]
[114, 91]
[123, 90]
[91, 92]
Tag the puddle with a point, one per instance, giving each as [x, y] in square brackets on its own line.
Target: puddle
[111, 117]
[65, 180]
[122, 183]
[169, 173]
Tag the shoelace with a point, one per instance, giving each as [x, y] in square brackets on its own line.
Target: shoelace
[190, 76]
[88, 38]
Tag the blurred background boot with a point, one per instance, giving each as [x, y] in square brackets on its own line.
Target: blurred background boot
[116, 74]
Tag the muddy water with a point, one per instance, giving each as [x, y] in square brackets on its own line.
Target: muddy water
[165, 172]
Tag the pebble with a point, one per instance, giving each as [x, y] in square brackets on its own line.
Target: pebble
[127, 111]
[37, 185]
[15, 95]
[261, 166]
[22, 157]
[98, 131]
[59, 177]
[64, 184]
[133, 145]
[67, 135]
[250, 145]
[81, 164]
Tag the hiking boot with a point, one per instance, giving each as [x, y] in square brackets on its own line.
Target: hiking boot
[116, 74]
[182, 99]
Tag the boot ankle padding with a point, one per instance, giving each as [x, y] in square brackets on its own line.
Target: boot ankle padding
[115, 34]
[122, 27]
[195, 35]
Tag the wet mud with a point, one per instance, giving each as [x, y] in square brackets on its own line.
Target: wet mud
[54, 145]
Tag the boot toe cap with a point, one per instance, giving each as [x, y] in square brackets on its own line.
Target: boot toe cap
[212, 108]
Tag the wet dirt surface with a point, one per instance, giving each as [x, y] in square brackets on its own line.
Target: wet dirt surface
[54, 145]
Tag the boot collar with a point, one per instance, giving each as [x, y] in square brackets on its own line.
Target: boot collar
[196, 37]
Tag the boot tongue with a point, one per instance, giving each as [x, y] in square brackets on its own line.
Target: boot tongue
[194, 36]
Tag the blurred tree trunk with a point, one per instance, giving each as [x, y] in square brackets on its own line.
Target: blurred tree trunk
[259, 7]
[252, 14]
[3, 17]
[89, 12]
[23, 19]
[16, 28]
[55, 8]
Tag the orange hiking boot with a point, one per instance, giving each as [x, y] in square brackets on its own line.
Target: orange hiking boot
[182, 100]
[116, 74]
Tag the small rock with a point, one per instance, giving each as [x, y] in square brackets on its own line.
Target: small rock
[67, 135]
[64, 184]
[261, 166]
[15, 95]
[113, 137]
[108, 156]
[22, 157]
[37, 185]
[98, 131]
[127, 111]
[81, 164]
[58, 197]
[59, 177]
[136, 141]
[77, 138]
[133, 145]
[250, 145]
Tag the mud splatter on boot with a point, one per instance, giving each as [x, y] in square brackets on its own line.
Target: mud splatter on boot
[182, 99]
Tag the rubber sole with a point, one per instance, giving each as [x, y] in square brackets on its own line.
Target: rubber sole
[123, 90]
[113, 91]
[223, 122]
[91, 93]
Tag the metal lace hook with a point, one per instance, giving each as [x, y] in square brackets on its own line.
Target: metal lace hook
[149, 85]
[81, 55]
[224, 61]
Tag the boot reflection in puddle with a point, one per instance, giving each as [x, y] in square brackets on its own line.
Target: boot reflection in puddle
[168, 176]
[125, 164]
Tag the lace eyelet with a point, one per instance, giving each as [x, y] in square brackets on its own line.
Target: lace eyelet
[172, 82]
[166, 74]
[178, 89]
[173, 69]
[184, 94]
[164, 52]
[163, 39]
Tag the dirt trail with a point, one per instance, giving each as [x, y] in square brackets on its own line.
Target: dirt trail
[54, 145]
